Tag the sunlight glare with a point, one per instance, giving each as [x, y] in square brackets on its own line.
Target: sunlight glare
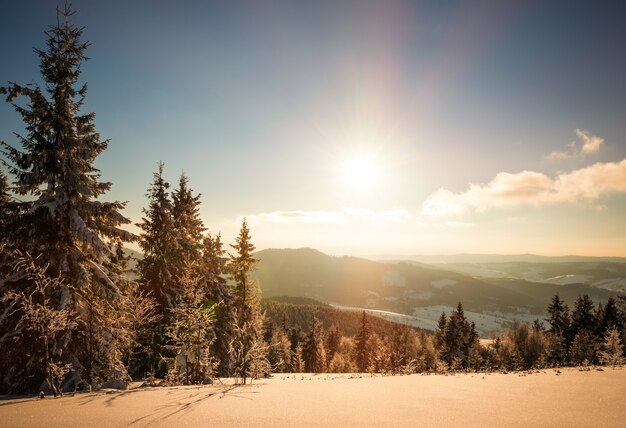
[360, 173]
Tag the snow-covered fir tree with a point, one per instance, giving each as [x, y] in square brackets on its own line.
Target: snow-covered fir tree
[313, 350]
[158, 241]
[65, 226]
[248, 349]
[157, 270]
[191, 330]
[363, 352]
[187, 223]
[212, 267]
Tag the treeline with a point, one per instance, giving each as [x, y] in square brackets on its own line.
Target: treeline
[313, 338]
[588, 335]
[69, 313]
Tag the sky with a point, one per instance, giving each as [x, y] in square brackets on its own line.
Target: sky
[360, 127]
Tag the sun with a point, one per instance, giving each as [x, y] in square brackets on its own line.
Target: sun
[360, 172]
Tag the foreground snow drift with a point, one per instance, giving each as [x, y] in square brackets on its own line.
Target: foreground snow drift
[549, 398]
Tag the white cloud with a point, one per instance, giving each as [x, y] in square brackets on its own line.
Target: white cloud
[590, 145]
[585, 185]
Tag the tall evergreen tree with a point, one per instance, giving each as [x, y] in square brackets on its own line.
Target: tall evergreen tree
[613, 349]
[333, 339]
[213, 268]
[583, 316]
[363, 353]
[609, 317]
[248, 350]
[440, 331]
[187, 223]
[157, 270]
[159, 245]
[190, 331]
[558, 317]
[65, 225]
[313, 350]
[242, 263]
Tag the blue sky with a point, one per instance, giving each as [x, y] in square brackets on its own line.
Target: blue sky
[266, 105]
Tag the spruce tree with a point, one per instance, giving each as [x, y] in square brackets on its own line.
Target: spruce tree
[439, 332]
[558, 317]
[363, 353]
[191, 330]
[212, 267]
[63, 225]
[242, 263]
[313, 350]
[158, 242]
[333, 339]
[157, 272]
[583, 316]
[187, 223]
[248, 349]
[609, 317]
[613, 349]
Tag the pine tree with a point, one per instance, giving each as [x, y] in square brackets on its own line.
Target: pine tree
[559, 336]
[403, 349]
[363, 355]
[279, 355]
[583, 316]
[584, 348]
[242, 263]
[456, 338]
[212, 267]
[558, 317]
[613, 349]
[333, 339]
[187, 223]
[248, 349]
[439, 332]
[191, 331]
[313, 350]
[297, 362]
[159, 245]
[63, 224]
[608, 317]
[157, 272]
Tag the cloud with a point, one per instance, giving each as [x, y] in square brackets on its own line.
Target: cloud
[590, 145]
[343, 216]
[585, 185]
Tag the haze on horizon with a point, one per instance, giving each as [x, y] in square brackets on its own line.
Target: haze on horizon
[361, 127]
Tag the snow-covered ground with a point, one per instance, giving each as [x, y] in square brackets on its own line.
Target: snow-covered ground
[568, 279]
[427, 317]
[543, 399]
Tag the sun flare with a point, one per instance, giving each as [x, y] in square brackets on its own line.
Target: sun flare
[360, 173]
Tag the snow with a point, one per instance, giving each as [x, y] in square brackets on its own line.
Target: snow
[539, 399]
[568, 279]
[427, 317]
[613, 284]
[441, 283]
[392, 278]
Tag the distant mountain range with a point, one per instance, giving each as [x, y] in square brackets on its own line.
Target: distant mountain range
[497, 258]
[494, 290]
[500, 292]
